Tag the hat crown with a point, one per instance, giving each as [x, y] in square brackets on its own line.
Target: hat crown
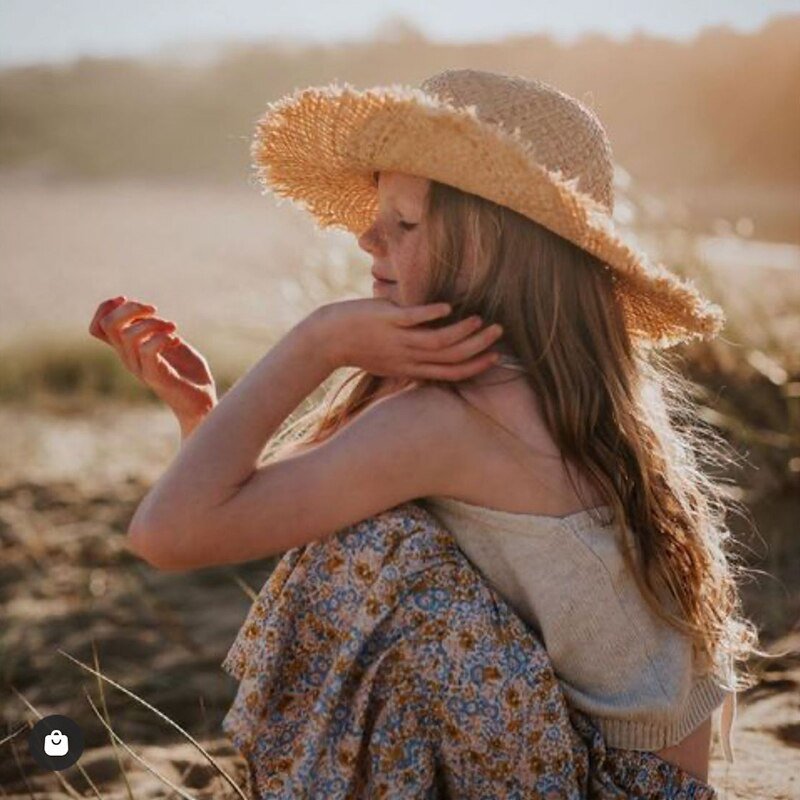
[565, 135]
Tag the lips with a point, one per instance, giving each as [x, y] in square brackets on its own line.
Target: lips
[382, 280]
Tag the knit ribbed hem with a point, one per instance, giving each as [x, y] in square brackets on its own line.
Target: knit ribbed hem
[705, 696]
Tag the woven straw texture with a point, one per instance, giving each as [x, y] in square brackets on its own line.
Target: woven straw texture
[518, 142]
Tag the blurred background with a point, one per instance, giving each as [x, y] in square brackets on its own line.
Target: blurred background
[124, 169]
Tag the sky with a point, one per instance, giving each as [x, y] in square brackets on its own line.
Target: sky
[57, 31]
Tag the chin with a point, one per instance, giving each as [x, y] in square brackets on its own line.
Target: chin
[382, 290]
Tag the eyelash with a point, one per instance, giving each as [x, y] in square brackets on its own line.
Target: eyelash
[407, 226]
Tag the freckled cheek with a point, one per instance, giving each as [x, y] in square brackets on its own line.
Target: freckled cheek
[407, 256]
[413, 279]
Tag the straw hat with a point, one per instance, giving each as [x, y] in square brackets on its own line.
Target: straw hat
[518, 142]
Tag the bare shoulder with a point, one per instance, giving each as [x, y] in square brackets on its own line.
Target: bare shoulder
[402, 446]
[431, 412]
[414, 441]
[427, 416]
[430, 433]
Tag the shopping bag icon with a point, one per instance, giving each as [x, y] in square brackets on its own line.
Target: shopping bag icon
[56, 743]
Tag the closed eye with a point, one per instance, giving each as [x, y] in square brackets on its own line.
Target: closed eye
[408, 225]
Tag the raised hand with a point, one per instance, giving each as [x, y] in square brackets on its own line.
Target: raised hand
[386, 339]
[150, 349]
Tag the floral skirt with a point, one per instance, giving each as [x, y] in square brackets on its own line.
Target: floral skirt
[379, 663]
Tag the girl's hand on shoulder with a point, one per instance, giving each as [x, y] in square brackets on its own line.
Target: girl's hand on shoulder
[150, 349]
[386, 339]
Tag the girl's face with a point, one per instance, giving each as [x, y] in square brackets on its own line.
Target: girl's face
[397, 239]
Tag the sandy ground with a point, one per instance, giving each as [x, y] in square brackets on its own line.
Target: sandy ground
[68, 486]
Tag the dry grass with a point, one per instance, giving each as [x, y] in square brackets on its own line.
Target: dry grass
[117, 742]
[67, 583]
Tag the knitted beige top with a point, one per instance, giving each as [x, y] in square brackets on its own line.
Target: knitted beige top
[616, 659]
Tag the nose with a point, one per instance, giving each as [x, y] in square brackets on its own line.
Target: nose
[371, 240]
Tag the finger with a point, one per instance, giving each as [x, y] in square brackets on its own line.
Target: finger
[436, 338]
[133, 335]
[124, 312]
[455, 372]
[415, 315]
[155, 370]
[464, 349]
[112, 323]
[101, 311]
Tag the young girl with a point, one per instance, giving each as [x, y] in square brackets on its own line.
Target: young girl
[537, 428]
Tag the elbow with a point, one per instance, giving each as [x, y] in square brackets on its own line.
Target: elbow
[140, 544]
[155, 544]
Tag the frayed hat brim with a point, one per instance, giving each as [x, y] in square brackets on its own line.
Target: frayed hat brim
[320, 146]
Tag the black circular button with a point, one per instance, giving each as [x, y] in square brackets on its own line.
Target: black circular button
[56, 742]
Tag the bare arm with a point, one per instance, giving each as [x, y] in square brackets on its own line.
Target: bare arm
[400, 448]
[213, 505]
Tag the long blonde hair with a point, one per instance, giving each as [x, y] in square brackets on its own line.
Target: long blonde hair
[622, 414]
